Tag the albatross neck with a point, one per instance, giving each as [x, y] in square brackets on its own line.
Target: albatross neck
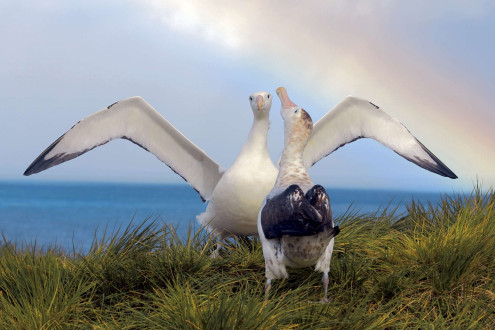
[257, 138]
[292, 169]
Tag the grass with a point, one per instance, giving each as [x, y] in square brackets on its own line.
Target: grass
[433, 268]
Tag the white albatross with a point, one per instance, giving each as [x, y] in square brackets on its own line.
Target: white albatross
[235, 195]
[295, 221]
[230, 211]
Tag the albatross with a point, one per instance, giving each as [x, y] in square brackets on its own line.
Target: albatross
[295, 221]
[230, 211]
[235, 195]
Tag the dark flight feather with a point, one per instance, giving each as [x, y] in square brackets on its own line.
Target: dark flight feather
[295, 214]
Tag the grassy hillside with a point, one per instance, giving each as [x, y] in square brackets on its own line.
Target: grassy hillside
[434, 267]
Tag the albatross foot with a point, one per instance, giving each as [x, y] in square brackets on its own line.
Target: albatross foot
[215, 254]
[325, 300]
[321, 301]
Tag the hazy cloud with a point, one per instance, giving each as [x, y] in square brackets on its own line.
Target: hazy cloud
[197, 62]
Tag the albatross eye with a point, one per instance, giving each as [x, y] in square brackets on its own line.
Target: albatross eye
[268, 95]
[296, 111]
[250, 98]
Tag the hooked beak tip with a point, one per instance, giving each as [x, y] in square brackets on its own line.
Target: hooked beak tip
[284, 98]
[280, 90]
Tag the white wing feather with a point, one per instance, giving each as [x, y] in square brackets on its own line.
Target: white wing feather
[135, 120]
[355, 118]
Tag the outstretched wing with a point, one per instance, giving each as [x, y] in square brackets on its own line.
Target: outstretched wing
[290, 213]
[137, 121]
[354, 118]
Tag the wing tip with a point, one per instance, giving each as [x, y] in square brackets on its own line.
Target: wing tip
[439, 167]
[41, 163]
[449, 173]
[28, 171]
[36, 166]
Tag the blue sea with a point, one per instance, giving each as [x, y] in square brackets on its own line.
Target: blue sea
[69, 215]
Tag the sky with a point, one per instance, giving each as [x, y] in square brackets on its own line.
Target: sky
[429, 64]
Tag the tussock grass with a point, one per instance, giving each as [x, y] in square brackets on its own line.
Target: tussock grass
[432, 268]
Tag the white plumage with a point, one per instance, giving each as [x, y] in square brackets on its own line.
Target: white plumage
[235, 195]
[136, 120]
[354, 118]
[230, 211]
[238, 195]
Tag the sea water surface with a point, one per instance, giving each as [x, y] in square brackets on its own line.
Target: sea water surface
[68, 215]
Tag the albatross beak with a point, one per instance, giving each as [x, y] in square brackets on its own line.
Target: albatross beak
[284, 98]
[259, 101]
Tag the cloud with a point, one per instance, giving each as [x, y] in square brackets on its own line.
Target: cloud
[197, 20]
[416, 60]
[378, 50]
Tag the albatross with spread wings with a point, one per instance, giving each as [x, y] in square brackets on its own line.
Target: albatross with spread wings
[235, 195]
[230, 211]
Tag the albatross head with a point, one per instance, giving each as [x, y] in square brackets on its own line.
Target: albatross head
[297, 121]
[287, 104]
[261, 102]
[298, 124]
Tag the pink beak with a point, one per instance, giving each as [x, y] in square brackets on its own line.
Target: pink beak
[284, 98]
[287, 104]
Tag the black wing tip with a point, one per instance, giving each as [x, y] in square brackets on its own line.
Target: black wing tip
[40, 164]
[439, 168]
[449, 174]
[35, 168]
[29, 171]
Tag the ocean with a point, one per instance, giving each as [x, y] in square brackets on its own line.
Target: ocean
[69, 215]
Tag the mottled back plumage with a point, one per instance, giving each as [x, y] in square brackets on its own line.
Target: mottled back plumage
[295, 222]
